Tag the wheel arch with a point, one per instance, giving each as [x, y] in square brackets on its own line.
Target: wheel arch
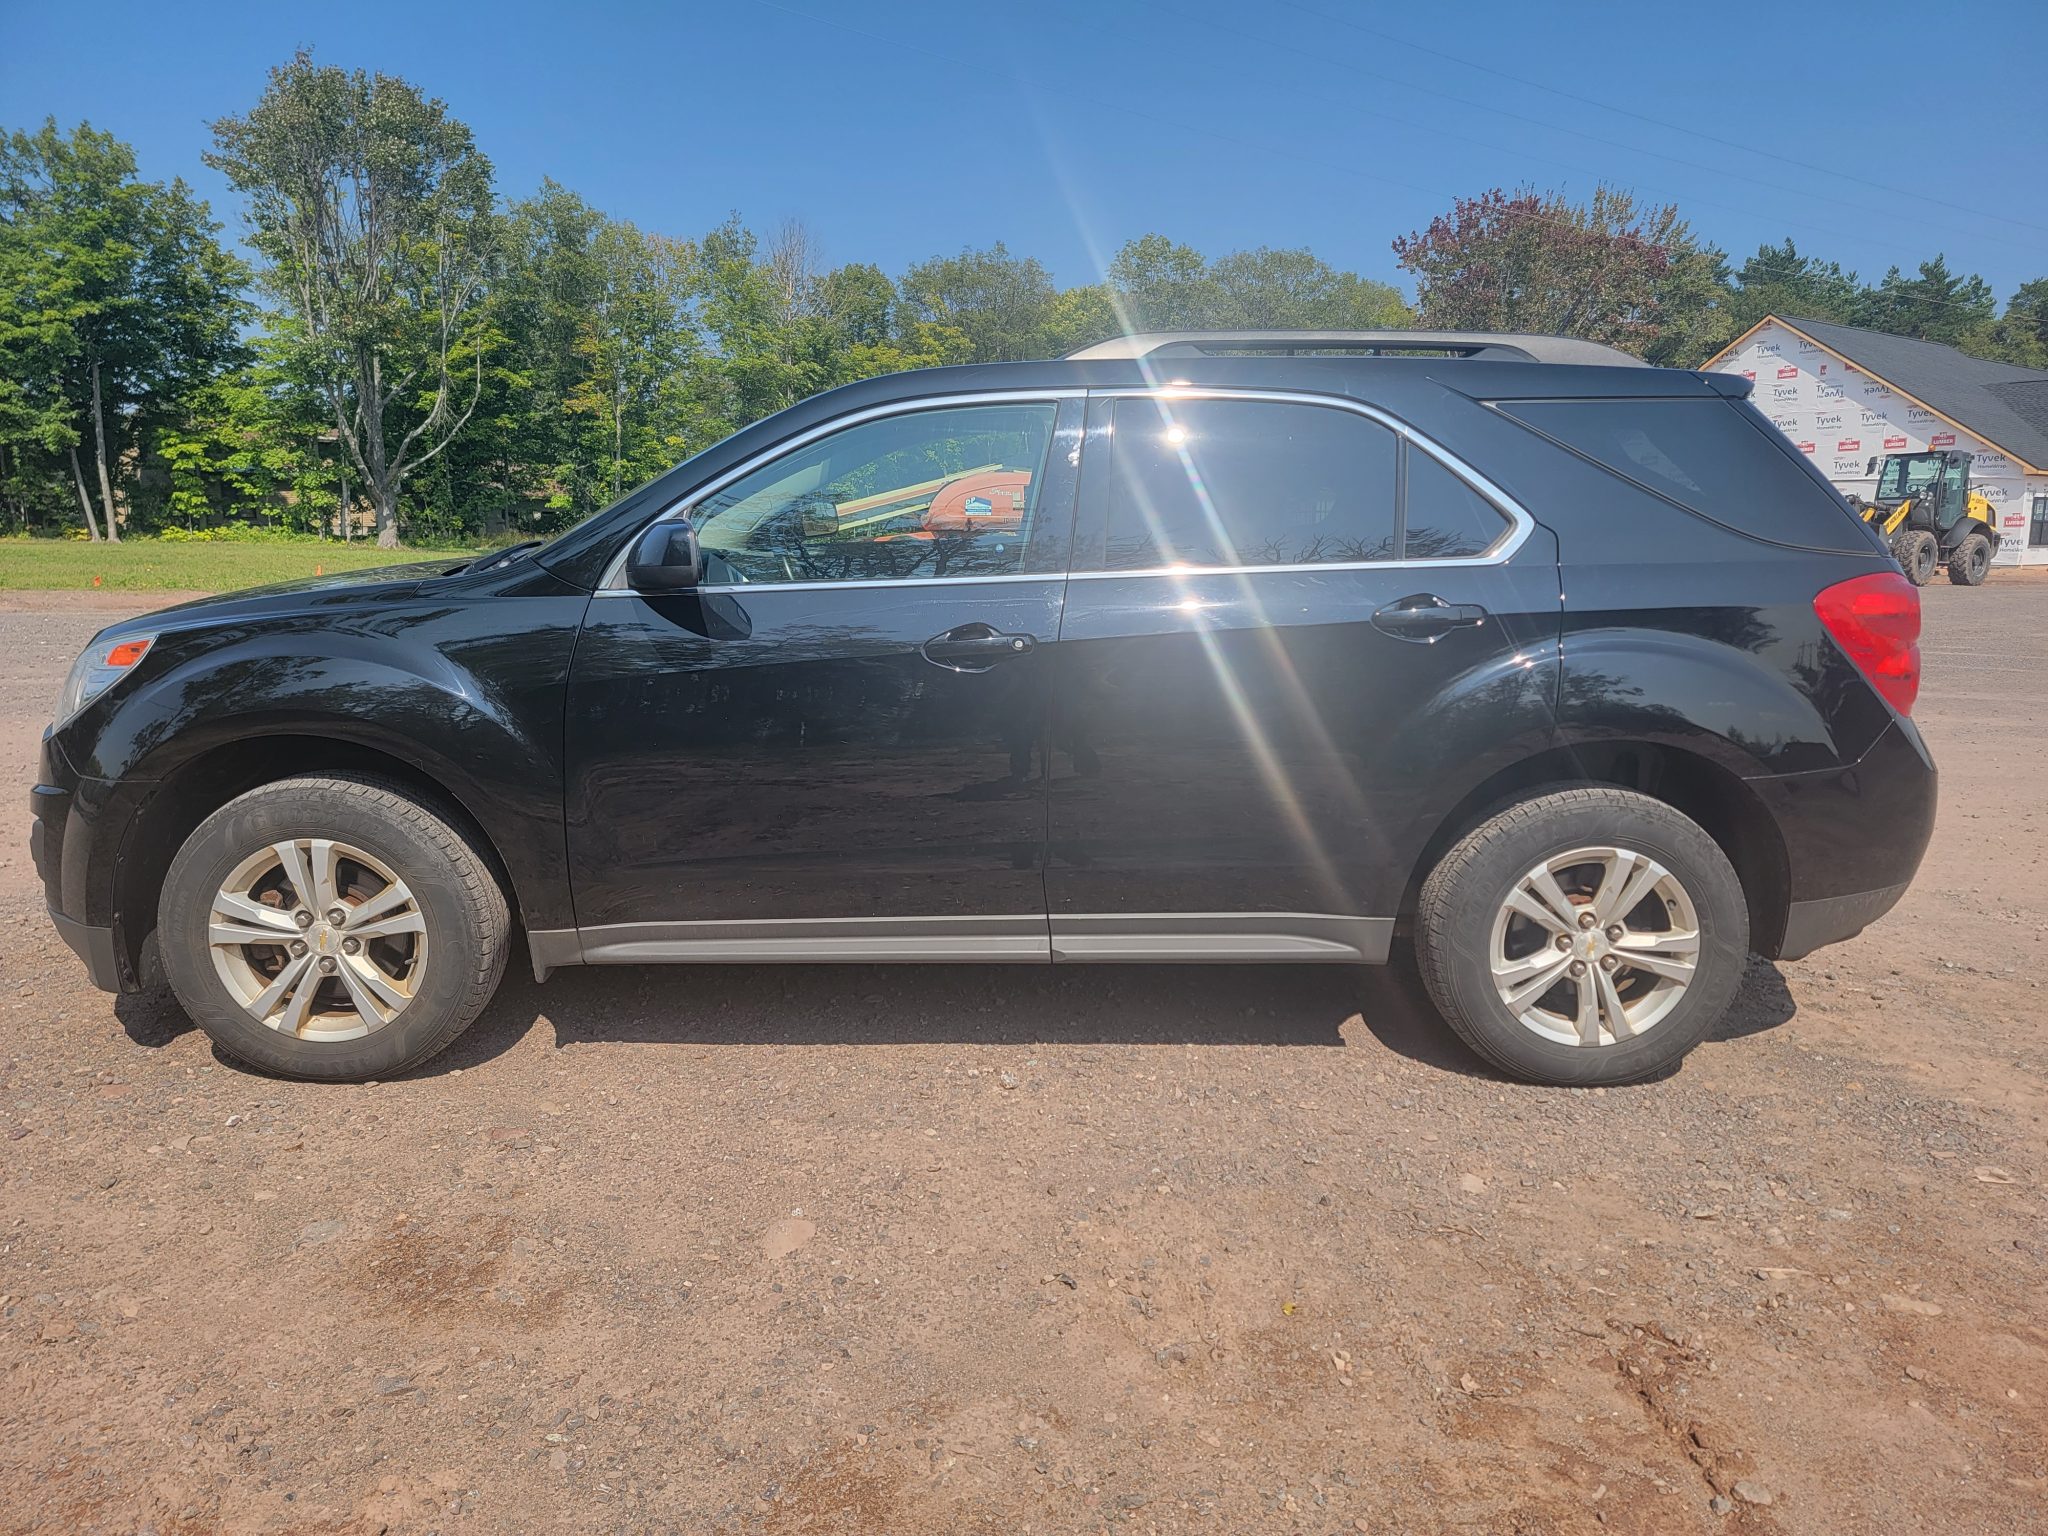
[1728, 809]
[204, 783]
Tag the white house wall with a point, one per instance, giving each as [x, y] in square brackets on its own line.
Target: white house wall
[1840, 416]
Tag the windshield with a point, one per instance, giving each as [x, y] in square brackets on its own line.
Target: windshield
[1905, 475]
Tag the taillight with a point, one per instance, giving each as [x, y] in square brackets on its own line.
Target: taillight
[1875, 619]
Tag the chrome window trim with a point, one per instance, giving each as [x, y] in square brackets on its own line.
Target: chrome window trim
[1503, 549]
[756, 588]
[614, 583]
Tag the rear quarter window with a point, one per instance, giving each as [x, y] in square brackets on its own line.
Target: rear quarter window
[1712, 456]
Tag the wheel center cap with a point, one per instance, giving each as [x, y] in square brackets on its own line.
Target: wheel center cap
[325, 941]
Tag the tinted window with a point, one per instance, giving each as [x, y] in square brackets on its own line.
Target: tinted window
[930, 493]
[1446, 517]
[1240, 482]
[1715, 456]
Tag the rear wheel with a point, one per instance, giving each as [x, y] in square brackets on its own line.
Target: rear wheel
[1917, 554]
[1970, 561]
[1587, 936]
[331, 928]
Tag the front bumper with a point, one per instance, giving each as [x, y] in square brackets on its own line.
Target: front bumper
[95, 946]
[50, 820]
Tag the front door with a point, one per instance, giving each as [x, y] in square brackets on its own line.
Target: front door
[835, 747]
[1269, 682]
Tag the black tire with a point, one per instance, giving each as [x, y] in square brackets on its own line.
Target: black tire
[1464, 893]
[1917, 553]
[1970, 561]
[468, 925]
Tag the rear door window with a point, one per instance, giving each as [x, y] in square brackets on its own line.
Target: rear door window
[1223, 483]
[1716, 457]
[1447, 519]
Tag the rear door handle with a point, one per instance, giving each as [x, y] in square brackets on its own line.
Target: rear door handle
[974, 648]
[1426, 618]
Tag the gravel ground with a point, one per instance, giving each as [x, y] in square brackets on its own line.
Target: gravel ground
[911, 1250]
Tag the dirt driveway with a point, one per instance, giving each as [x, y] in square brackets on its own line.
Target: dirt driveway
[1007, 1250]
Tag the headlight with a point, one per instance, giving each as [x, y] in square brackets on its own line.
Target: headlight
[99, 667]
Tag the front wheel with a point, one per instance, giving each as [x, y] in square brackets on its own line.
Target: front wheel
[331, 928]
[1917, 554]
[1970, 561]
[1583, 937]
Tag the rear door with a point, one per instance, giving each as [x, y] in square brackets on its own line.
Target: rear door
[1269, 678]
[834, 748]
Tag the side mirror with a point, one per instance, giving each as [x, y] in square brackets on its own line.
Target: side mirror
[666, 558]
[1871, 467]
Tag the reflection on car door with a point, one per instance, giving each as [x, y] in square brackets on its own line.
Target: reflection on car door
[837, 749]
[1242, 755]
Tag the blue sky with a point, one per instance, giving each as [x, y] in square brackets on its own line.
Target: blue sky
[902, 129]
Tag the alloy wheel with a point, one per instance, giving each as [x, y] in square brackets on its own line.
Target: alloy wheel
[1594, 946]
[318, 939]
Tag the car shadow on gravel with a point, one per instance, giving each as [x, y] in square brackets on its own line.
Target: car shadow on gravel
[1396, 1008]
[1038, 1007]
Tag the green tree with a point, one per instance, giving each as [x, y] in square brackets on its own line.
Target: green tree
[1157, 284]
[243, 449]
[2020, 335]
[634, 343]
[372, 208]
[118, 301]
[1297, 290]
[760, 355]
[1081, 317]
[547, 283]
[1001, 304]
[860, 301]
[1695, 307]
[1160, 285]
[1777, 280]
[1937, 305]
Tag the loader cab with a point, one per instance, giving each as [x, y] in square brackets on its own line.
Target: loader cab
[1942, 478]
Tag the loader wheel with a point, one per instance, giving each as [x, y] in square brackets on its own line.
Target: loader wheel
[1917, 553]
[1970, 561]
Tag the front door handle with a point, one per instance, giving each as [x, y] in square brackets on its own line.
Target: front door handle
[974, 648]
[1426, 618]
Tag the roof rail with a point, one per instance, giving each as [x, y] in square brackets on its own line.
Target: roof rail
[1484, 346]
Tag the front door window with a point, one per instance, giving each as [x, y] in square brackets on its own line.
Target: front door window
[926, 494]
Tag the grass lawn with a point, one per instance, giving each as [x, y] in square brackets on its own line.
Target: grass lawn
[150, 565]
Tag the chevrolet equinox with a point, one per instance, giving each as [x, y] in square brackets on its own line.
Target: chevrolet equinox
[1187, 648]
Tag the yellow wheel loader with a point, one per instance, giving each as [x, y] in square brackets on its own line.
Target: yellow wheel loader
[1930, 517]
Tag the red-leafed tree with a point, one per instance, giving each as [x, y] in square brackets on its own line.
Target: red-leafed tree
[1532, 261]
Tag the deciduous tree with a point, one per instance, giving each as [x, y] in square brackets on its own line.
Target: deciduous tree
[115, 301]
[1001, 303]
[1536, 262]
[372, 207]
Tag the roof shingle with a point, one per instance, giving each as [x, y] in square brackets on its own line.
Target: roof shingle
[1997, 401]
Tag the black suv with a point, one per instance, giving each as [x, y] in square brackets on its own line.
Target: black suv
[1187, 648]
